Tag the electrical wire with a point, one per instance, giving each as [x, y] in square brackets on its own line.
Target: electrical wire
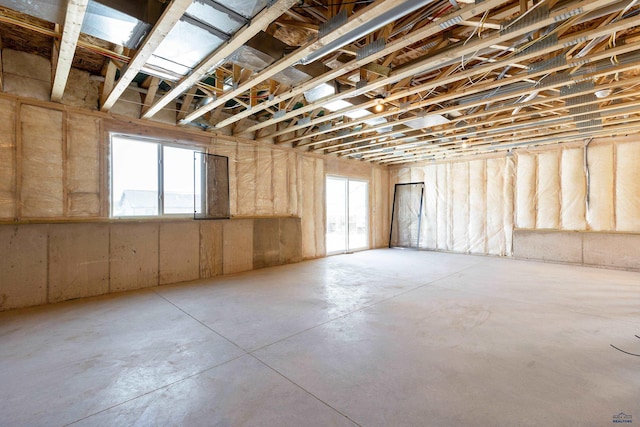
[626, 352]
[304, 6]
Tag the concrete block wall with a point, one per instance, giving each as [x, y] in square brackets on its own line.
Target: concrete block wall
[595, 249]
[47, 263]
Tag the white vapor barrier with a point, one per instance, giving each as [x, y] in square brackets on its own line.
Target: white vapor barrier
[477, 206]
[460, 184]
[264, 181]
[229, 150]
[495, 206]
[443, 206]
[628, 187]
[508, 213]
[292, 182]
[474, 206]
[311, 201]
[548, 190]
[246, 175]
[307, 203]
[319, 212]
[279, 183]
[600, 214]
[430, 224]
[526, 191]
[417, 175]
[573, 183]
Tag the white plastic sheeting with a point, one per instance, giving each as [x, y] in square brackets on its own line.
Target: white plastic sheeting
[496, 201]
[460, 206]
[526, 191]
[477, 206]
[406, 225]
[574, 188]
[548, 191]
[430, 238]
[600, 215]
[467, 206]
[471, 206]
[442, 218]
[628, 187]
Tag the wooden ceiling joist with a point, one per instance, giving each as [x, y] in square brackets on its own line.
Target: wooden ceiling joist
[167, 21]
[358, 19]
[355, 64]
[447, 56]
[499, 74]
[258, 23]
[480, 70]
[71, 32]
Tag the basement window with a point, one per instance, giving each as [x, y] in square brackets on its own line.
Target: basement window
[155, 178]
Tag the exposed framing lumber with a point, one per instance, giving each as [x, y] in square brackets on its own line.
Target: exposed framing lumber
[465, 75]
[483, 102]
[1, 74]
[438, 59]
[358, 19]
[501, 127]
[620, 127]
[390, 49]
[261, 21]
[167, 21]
[154, 84]
[76, 10]
[186, 102]
[495, 133]
[109, 80]
[482, 114]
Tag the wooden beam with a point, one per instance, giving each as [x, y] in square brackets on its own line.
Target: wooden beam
[407, 40]
[186, 102]
[620, 25]
[1, 75]
[471, 90]
[501, 128]
[76, 10]
[109, 80]
[298, 24]
[508, 120]
[154, 84]
[260, 21]
[167, 21]
[359, 19]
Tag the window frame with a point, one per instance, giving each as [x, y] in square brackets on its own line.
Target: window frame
[160, 144]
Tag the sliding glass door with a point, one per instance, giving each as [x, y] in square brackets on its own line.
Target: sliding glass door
[347, 214]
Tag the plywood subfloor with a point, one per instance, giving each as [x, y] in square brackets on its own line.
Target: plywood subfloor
[378, 338]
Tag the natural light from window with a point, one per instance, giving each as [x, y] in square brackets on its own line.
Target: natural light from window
[149, 178]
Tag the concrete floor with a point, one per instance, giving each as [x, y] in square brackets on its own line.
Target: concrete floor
[377, 338]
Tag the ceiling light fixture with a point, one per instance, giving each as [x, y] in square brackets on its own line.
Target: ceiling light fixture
[379, 107]
[366, 28]
[602, 93]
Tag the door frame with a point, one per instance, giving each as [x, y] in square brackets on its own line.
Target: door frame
[346, 179]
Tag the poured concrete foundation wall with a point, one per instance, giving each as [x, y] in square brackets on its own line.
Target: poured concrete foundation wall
[44, 263]
[474, 206]
[54, 163]
[596, 248]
